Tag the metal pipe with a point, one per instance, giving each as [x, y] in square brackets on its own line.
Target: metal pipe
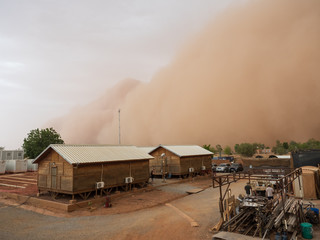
[221, 200]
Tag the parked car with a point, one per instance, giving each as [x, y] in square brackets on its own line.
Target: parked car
[236, 167]
[223, 167]
[214, 167]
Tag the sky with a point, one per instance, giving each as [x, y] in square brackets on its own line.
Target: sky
[249, 75]
[57, 56]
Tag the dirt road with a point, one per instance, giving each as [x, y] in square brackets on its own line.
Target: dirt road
[174, 220]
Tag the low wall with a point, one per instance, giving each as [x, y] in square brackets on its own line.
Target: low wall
[267, 162]
[42, 203]
[37, 202]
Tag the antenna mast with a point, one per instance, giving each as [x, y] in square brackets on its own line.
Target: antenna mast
[119, 128]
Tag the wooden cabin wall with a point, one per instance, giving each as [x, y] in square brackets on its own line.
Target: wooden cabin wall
[85, 177]
[112, 173]
[177, 165]
[140, 171]
[173, 161]
[55, 174]
[195, 162]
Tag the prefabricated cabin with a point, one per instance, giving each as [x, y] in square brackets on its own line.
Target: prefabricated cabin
[75, 169]
[180, 160]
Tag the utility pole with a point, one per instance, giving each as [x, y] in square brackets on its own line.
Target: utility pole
[119, 128]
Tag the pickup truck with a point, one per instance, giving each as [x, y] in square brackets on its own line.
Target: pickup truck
[223, 167]
[236, 167]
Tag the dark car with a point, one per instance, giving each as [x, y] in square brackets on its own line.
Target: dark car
[223, 167]
[214, 167]
[236, 167]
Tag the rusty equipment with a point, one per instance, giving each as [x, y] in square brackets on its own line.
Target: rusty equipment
[258, 217]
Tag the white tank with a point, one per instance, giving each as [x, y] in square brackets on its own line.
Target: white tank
[3, 166]
[16, 166]
[32, 167]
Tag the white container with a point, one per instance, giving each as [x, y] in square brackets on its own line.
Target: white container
[16, 166]
[3, 166]
[32, 167]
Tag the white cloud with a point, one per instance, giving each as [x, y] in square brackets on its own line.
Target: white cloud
[7, 85]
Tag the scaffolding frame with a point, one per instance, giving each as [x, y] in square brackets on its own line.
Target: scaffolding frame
[283, 177]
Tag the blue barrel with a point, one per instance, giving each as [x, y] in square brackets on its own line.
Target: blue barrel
[278, 236]
[316, 210]
[306, 229]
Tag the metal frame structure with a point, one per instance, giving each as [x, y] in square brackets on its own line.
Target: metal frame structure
[283, 178]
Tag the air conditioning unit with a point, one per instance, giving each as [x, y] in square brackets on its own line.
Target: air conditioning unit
[203, 168]
[129, 179]
[191, 169]
[99, 185]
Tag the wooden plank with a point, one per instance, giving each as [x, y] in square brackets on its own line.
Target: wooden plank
[66, 183]
[217, 226]
[195, 190]
[232, 236]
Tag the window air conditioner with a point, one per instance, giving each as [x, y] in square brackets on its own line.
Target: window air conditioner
[191, 169]
[203, 168]
[99, 185]
[129, 179]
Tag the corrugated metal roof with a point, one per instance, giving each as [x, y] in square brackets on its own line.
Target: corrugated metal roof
[147, 149]
[79, 154]
[186, 150]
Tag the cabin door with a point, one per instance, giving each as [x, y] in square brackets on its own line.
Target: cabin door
[54, 177]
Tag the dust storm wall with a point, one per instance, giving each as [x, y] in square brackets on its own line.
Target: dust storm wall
[252, 75]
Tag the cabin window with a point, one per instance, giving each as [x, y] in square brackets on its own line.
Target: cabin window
[8, 154]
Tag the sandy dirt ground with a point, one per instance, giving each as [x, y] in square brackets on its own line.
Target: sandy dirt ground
[21, 183]
[164, 211]
[161, 211]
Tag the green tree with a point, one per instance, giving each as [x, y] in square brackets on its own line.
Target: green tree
[236, 148]
[247, 149]
[280, 148]
[313, 144]
[38, 140]
[227, 150]
[209, 148]
[219, 149]
[293, 146]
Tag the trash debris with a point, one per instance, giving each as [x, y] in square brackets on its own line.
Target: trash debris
[259, 217]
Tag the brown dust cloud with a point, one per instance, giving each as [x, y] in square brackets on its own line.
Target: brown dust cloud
[253, 75]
